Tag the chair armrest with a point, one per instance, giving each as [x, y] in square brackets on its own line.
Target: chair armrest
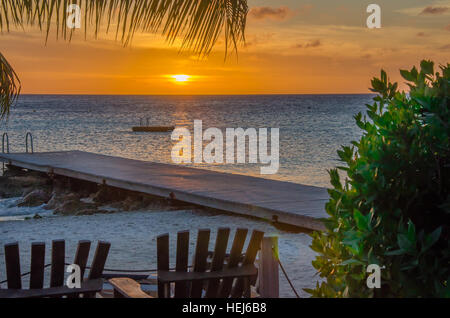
[136, 277]
[127, 288]
[234, 272]
[89, 286]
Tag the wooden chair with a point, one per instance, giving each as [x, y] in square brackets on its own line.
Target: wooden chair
[224, 276]
[89, 287]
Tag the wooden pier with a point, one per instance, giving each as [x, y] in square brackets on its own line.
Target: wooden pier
[279, 201]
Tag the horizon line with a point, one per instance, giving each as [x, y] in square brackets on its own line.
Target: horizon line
[250, 94]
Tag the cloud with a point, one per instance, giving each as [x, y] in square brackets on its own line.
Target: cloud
[276, 14]
[315, 43]
[447, 27]
[440, 7]
[445, 47]
[420, 34]
[434, 10]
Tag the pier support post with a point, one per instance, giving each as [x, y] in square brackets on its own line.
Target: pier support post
[269, 286]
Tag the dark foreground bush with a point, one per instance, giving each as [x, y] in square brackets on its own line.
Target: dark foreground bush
[393, 209]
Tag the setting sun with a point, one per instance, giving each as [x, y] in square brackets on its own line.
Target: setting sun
[181, 78]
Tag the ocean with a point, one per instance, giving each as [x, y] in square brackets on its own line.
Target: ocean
[312, 129]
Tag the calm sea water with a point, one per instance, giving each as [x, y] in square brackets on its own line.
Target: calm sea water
[312, 127]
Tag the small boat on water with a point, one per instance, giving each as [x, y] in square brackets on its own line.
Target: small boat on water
[148, 128]
[153, 128]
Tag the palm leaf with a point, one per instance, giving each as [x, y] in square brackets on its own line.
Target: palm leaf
[9, 86]
[199, 22]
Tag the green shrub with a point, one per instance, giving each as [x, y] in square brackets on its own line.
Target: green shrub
[393, 209]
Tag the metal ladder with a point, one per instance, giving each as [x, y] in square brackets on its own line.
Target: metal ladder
[29, 144]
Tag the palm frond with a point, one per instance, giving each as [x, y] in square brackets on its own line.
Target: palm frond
[199, 22]
[9, 86]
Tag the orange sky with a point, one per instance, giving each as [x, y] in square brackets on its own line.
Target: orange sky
[293, 47]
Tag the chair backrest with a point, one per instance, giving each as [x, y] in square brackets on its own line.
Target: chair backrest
[57, 271]
[233, 266]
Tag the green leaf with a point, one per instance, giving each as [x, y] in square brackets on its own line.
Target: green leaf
[411, 232]
[414, 73]
[352, 262]
[384, 77]
[427, 67]
[407, 75]
[395, 252]
[432, 238]
[361, 220]
[405, 244]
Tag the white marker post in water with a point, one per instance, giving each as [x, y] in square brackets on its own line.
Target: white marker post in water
[235, 145]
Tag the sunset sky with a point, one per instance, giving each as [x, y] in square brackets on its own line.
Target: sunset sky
[293, 47]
